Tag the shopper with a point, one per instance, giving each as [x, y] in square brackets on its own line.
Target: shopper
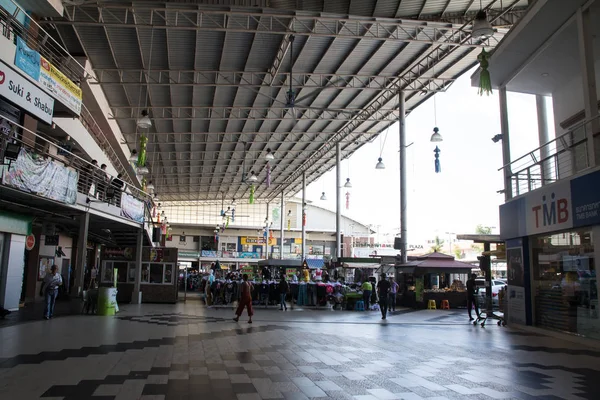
[393, 293]
[245, 300]
[117, 187]
[383, 289]
[367, 288]
[284, 288]
[472, 296]
[49, 290]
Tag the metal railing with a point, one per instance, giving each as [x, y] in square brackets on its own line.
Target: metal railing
[558, 159]
[50, 49]
[92, 180]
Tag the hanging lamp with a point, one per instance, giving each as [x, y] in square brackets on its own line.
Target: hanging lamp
[380, 164]
[134, 156]
[323, 197]
[150, 186]
[436, 137]
[270, 156]
[482, 28]
[143, 170]
[144, 122]
[348, 184]
[253, 177]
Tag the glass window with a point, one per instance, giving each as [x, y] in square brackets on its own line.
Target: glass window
[121, 268]
[131, 274]
[168, 273]
[146, 273]
[565, 283]
[107, 273]
[156, 273]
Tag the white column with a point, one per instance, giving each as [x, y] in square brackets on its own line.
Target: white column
[403, 194]
[282, 214]
[505, 143]
[267, 231]
[590, 95]
[302, 216]
[11, 279]
[544, 137]
[136, 296]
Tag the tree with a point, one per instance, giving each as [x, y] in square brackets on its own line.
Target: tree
[483, 230]
[438, 246]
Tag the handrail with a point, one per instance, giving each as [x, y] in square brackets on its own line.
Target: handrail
[570, 131]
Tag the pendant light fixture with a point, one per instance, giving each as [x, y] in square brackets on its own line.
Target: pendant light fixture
[270, 156]
[143, 170]
[144, 122]
[253, 177]
[380, 164]
[323, 197]
[348, 184]
[134, 156]
[150, 186]
[482, 28]
[436, 137]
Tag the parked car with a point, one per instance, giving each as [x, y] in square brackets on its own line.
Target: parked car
[497, 284]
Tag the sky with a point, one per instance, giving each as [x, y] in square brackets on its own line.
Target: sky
[459, 198]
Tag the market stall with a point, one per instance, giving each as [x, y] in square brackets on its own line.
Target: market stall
[435, 277]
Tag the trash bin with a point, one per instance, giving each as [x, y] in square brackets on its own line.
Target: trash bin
[107, 301]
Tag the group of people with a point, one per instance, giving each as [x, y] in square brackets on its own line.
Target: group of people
[105, 189]
[385, 294]
[246, 297]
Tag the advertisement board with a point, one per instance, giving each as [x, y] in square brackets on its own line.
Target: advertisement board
[61, 87]
[25, 94]
[132, 208]
[516, 285]
[27, 59]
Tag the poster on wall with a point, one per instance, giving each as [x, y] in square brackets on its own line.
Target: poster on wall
[132, 208]
[516, 285]
[43, 177]
[59, 86]
[44, 266]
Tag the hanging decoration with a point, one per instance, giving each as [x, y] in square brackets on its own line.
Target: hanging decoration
[233, 215]
[347, 200]
[268, 175]
[141, 162]
[289, 225]
[227, 222]
[485, 81]
[438, 168]
[144, 184]
[303, 218]
[251, 199]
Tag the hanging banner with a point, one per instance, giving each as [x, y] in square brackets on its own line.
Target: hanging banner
[61, 87]
[27, 59]
[132, 208]
[34, 174]
[25, 94]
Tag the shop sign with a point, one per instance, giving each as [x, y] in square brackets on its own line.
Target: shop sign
[27, 59]
[259, 241]
[292, 241]
[29, 242]
[51, 240]
[188, 254]
[586, 202]
[109, 253]
[61, 87]
[247, 254]
[26, 95]
[209, 253]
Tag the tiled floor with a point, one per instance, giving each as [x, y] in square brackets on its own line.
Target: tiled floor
[190, 352]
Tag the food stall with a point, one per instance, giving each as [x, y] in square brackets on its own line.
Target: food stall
[433, 276]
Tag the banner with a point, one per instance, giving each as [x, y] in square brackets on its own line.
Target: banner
[132, 208]
[27, 59]
[25, 94]
[516, 285]
[43, 177]
[61, 87]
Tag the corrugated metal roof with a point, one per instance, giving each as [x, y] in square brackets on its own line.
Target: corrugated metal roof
[206, 130]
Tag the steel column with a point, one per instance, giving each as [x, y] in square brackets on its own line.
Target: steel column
[136, 297]
[82, 238]
[302, 218]
[281, 214]
[590, 95]
[542, 119]
[338, 200]
[267, 232]
[504, 128]
[403, 194]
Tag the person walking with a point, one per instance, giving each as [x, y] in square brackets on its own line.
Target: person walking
[383, 289]
[284, 288]
[367, 288]
[393, 293]
[472, 296]
[245, 300]
[49, 290]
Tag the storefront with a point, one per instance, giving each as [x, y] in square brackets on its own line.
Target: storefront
[552, 236]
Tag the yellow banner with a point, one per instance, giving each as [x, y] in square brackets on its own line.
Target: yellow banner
[248, 240]
[65, 82]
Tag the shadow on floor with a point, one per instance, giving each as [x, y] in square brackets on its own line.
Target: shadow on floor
[35, 312]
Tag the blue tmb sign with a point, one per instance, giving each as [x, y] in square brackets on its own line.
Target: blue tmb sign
[585, 195]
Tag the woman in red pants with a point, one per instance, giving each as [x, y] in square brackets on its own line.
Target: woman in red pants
[245, 300]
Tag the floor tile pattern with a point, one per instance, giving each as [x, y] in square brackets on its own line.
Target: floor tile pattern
[189, 352]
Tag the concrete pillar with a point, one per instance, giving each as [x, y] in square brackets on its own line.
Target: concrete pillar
[338, 200]
[30, 124]
[11, 271]
[303, 212]
[544, 137]
[403, 194]
[508, 194]
[282, 215]
[80, 266]
[590, 95]
[268, 234]
[136, 296]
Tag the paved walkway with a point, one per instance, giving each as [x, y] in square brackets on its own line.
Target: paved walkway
[186, 351]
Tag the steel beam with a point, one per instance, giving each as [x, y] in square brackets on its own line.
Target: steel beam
[250, 113]
[198, 19]
[136, 77]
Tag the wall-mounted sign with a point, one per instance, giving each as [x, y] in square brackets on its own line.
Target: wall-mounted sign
[61, 87]
[25, 94]
[29, 242]
[126, 253]
[246, 240]
[51, 240]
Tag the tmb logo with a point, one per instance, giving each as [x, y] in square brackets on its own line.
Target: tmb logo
[2, 77]
[553, 211]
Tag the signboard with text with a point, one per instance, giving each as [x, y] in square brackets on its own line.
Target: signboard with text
[25, 94]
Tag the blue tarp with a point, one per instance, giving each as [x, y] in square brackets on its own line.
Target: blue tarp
[315, 263]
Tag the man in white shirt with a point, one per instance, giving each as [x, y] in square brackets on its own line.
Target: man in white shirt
[50, 290]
